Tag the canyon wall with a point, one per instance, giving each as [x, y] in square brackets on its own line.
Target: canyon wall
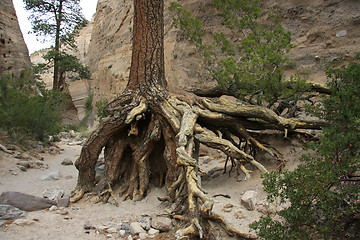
[322, 31]
[14, 54]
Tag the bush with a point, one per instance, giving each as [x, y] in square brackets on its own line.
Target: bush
[100, 105]
[27, 108]
[250, 66]
[324, 191]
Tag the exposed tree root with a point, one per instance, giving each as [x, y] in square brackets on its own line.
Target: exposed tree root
[158, 140]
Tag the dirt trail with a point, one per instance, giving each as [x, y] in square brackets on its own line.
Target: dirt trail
[54, 225]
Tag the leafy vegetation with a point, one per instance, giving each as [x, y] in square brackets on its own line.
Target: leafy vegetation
[27, 108]
[250, 65]
[100, 105]
[324, 190]
[60, 20]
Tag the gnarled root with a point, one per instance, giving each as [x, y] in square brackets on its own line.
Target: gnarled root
[158, 140]
[105, 195]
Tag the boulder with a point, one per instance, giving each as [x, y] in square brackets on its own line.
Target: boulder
[25, 202]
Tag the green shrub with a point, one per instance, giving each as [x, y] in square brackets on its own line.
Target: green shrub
[251, 65]
[88, 102]
[324, 191]
[100, 105]
[27, 108]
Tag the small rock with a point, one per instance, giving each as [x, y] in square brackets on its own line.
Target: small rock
[143, 235]
[129, 237]
[342, 33]
[8, 212]
[263, 208]
[249, 200]
[1, 223]
[53, 193]
[72, 133]
[17, 155]
[56, 175]
[25, 164]
[135, 228]
[53, 208]
[36, 145]
[26, 156]
[22, 168]
[112, 230]
[88, 226]
[122, 233]
[206, 159]
[145, 223]
[125, 226]
[23, 222]
[67, 162]
[53, 150]
[153, 231]
[163, 224]
[37, 164]
[64, 212]
[64, 201]
[65, 135]
[103, 229]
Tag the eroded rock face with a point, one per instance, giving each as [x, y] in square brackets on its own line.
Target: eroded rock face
[105, 45]
[110, 49]
[314, 26]
[14, 54]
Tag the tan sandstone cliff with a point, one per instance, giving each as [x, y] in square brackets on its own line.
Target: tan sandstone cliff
[14, 54]
[322, 31]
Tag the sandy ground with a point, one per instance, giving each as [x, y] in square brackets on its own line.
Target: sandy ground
[47, 224]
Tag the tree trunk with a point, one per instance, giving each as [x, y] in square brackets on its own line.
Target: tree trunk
[147, 72]
[58, 16]
[152, 135]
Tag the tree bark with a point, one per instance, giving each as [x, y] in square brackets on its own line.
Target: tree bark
[147, 72]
